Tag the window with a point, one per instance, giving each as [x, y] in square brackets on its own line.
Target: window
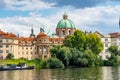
[40, 49]
[106, 45]
[106, 39]
[28, 43]
[1, 51]
[69, 32]
[0, 40]
[63, 32]
[27, 52]
[106, 50]
[7, 51]
[7, 45]
[0, 45]
[6, 40]
[44, 49]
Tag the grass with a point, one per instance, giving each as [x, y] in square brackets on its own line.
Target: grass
[16, 61]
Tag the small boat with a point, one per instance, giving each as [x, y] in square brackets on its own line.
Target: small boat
[20, 66]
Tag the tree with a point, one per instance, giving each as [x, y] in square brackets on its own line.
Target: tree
[62, 53]
[76, 40]
[54, 63]
[77, 57]
[65, 55]
[114, 50]
[82, 42]
[79, 40]
[91, 57]
[94, 43]
[113, 59]
[69, 41]
[10, 56]
[55, 50]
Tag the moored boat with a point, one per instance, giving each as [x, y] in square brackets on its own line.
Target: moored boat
[16, 67]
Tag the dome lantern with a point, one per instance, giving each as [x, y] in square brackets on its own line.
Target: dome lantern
[65, 16]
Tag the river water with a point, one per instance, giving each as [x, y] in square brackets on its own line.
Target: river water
[94, 73]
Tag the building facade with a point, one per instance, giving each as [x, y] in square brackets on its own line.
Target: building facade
[38, 46]
[35, 46]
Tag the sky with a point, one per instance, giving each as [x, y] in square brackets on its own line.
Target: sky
[19, 16]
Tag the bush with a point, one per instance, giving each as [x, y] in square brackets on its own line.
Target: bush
[52, 63]
[37, 62]
[10, 56]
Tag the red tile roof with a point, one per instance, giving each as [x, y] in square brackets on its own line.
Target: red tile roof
[42, 35]
[115, 35]
[24, 39]
[2, 33]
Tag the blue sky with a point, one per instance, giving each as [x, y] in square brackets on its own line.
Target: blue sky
[18, 16]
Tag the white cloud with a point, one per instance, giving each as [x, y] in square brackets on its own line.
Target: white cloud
[102, 18]
[27, 5]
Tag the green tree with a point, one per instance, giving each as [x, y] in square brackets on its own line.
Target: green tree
[114, 50]
[113, 59]
[65, 55]
[91, 57]
[69, 41]
[76, 40]
[55, 50]
[79, 40]
[55, 63]
[10, 56]
[77, 58]
[94, 43]
[82, 42]
[62, 53]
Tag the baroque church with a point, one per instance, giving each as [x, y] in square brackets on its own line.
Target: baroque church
[35, 46]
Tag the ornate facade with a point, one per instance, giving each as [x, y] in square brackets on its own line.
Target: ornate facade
[38, 46]
[35, 46]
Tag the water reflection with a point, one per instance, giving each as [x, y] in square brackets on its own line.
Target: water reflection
[111, 73]
[96, 73]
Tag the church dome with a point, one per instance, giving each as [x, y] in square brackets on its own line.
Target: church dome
[65, 22]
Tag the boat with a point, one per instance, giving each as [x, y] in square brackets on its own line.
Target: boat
[20, 66]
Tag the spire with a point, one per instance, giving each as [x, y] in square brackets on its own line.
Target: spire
[18, 35]
[65, 16]
[32, 32]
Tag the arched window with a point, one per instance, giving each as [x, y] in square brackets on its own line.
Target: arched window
[69, 32]
[63, 32]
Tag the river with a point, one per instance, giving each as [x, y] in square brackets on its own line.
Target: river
[94, 73]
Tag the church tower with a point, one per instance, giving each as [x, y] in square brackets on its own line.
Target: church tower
[65, 27]
[32, 35]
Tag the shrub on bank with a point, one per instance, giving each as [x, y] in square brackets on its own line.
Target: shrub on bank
[52, 63]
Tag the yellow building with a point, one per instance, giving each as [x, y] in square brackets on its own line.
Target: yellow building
[35, 46]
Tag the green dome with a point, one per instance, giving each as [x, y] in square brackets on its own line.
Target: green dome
[65, 22]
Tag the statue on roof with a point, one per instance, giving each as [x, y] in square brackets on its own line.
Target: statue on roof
[42, 30]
